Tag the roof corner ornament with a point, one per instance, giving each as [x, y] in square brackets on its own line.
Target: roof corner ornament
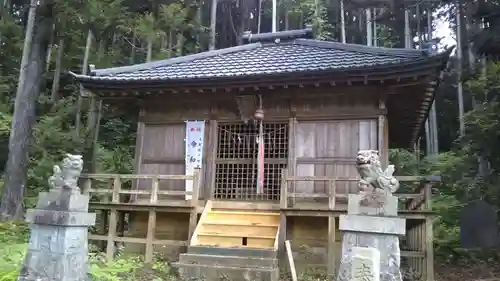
[91, 69]
[248, 35]
[431, 46]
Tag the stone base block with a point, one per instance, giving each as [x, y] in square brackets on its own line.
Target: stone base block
[58, 240]
[63, 200]
[365, 264]
[60, 218]
[387, 245]
[44, 266]
[390, 208]
[372, 224]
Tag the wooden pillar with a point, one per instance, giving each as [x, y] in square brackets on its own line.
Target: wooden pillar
[150, 236]
[138, 154]
[429, 235]
[113, 219]
[383, 134]
[331, 266]
[283, 205]
[193, 217]
[292, 158]
[211, 157]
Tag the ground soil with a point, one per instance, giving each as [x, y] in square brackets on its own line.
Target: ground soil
[484, 271]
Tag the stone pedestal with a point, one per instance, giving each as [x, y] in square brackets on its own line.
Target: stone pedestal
[369, 227]
[365, 264]
[58, 246]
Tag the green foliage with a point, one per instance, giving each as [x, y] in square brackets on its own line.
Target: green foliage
[13, 245]
[13, 238]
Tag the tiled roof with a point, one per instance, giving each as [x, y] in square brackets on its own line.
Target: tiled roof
[262, 59]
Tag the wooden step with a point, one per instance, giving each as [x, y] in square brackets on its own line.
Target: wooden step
[242, 205]
[243, 212]
[240, 229]
[231, 240]
[238, 217]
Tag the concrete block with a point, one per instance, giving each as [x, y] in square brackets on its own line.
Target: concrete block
[215, 273]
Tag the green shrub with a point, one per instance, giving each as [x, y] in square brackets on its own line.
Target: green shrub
[13, 237]
[13, 245]
[128, 268]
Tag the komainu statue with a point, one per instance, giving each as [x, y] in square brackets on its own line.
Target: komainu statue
[67, 175]
[374, 180]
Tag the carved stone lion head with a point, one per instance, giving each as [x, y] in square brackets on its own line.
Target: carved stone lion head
[368, 157]
[73, 163]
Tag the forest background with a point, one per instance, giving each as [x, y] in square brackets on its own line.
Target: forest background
[49, 121]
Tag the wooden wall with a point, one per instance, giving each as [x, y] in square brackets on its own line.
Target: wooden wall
[309, 240]
[162, 151]
[328, 127]
[329, 148]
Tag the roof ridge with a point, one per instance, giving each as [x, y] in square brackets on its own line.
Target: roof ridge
[400, 52]
[171, 61]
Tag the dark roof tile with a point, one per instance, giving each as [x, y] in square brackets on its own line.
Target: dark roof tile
[297, 56]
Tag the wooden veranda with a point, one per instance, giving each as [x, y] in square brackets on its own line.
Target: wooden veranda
[115, 197]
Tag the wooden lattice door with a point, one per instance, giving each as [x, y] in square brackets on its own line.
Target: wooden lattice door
[237, 163]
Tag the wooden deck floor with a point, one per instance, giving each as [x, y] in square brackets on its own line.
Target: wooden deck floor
[298, 209]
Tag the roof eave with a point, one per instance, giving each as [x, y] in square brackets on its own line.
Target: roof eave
[393, 69]
[420, 123]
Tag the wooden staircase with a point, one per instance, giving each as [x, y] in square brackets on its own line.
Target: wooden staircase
[235, 243]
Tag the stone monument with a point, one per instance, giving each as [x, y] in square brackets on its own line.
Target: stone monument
[58, 246]
[370, 242]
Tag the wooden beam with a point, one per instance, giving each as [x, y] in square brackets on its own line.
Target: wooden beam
[291, 262]
[151, 231]
[193, 217]
[332, 264]
[110, 248]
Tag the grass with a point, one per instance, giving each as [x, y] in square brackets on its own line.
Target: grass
[13, 246]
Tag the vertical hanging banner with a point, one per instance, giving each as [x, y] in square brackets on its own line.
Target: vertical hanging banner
[195, 133]
[260, 160]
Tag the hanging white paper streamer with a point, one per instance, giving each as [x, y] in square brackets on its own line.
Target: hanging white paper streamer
[195, 132]
[260, 160]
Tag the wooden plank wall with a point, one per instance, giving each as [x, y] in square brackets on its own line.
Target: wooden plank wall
[327, 127]
[329, 148]
[163, 152]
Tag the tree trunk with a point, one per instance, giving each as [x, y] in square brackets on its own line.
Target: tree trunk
[28, 42]
[49, 50]
[460, 94]
[170, 44]
[132, 50]
[54, 95]
[149, 54]
[213, 21]
[11, 205]
[180, 44]
[85, 68]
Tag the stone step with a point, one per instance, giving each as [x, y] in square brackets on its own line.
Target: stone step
[231, 261]
[235, 240]
[238, 252]
[216, 272]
